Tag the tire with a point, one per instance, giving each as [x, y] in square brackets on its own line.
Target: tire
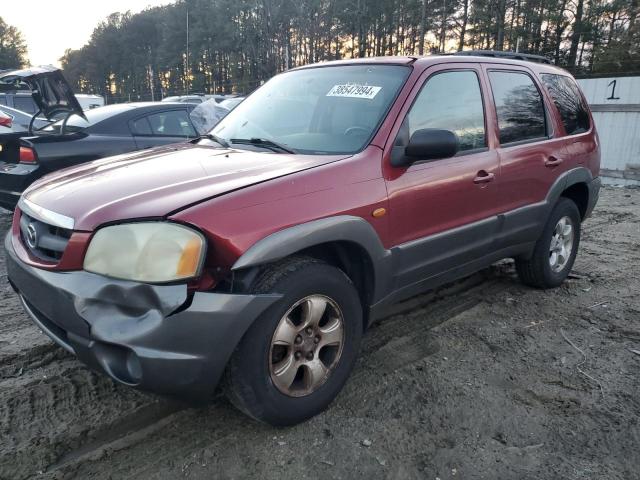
[540, 271]
[253, 380]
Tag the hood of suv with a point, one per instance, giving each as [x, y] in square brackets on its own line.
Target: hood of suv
[49, 89]
[157, 182]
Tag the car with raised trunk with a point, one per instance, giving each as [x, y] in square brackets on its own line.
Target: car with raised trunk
[256, 256]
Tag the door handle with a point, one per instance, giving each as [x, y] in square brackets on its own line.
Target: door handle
[483, 177]
[552, 162]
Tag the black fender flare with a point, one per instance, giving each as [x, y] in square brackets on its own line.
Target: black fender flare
[566, 180]
[341, 228]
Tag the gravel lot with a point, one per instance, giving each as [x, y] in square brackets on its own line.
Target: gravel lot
[482, 379]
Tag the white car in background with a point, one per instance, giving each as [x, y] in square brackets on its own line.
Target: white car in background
[87, 101]
[13, 120]
[198, 98]
[231, 103]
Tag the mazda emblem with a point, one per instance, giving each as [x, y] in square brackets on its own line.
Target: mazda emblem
[32, 236]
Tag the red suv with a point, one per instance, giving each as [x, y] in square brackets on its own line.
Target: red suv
[256, 256]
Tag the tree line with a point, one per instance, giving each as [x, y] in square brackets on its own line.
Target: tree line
[234, 45]
[13, 49]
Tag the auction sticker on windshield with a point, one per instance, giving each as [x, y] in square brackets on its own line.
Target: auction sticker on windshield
[354, 91]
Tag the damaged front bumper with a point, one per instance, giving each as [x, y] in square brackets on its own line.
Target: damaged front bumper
[157, 338]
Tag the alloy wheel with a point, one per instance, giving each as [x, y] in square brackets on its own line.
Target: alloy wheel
[306, 346]
[561, 244]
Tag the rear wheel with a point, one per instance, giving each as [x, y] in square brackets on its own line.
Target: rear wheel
[296, 357]
[556, 249]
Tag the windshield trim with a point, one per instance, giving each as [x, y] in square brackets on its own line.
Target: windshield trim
[300, 151]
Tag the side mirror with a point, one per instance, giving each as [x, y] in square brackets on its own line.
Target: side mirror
[428, 144]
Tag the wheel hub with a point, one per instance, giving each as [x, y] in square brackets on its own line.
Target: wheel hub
[561, 244]
[306, 345]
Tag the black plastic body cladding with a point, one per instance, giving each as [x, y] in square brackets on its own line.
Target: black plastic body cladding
[129, 330]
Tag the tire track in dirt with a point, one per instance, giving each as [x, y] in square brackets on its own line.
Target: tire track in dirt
[49, 410]
[49, 402]
[389, 345]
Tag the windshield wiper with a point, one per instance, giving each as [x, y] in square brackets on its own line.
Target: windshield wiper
[215, 138]
[263, 142]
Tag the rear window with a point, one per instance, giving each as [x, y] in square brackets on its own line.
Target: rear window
[570, 103]
[76, 123]
[518, 105]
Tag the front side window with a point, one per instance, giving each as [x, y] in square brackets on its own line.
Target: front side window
[519, 107]
[569, 101]
[451, 101]
[327, 110]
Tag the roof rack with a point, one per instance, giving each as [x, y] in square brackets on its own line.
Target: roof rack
[527, 57]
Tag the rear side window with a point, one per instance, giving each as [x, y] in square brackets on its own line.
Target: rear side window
[451, 101]
[174, 123]
[571, 105]
[519, 107]
[24, 104]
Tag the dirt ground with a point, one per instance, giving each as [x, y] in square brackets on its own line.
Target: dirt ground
[482, 379]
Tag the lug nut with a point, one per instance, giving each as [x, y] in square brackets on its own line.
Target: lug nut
[317, 339]
[298, 355]
[309, 330]
[298, 339]
[310, 356]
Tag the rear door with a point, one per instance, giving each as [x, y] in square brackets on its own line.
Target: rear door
[581, 145]
[443, 212]
[161, 128]
[531, 151]
[532, 154]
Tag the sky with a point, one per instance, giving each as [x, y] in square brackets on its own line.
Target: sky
[49, 27]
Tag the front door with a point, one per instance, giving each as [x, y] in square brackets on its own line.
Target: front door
[443, 211]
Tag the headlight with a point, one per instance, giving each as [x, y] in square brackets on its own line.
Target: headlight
[153, 252]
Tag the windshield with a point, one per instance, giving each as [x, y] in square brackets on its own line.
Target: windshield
[329, 110]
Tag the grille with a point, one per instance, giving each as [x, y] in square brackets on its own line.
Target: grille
[44, 241]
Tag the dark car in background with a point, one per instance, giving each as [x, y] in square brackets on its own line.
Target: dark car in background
[39, 91]
[44, 87]
[98, 133]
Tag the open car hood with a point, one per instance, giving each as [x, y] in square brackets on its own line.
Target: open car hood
[49, 89]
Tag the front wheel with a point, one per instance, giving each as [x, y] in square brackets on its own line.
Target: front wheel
[296, 357]
[556, 249]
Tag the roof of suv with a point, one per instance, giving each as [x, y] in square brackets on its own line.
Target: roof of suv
[427, 60]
